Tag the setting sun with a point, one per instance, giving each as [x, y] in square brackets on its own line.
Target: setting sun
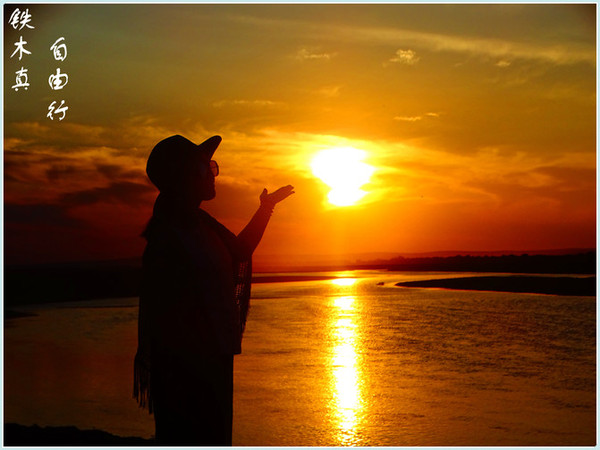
[343, 170]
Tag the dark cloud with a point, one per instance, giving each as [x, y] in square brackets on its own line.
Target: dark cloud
[59, 171]
[19, 159]
[46, 233]
[110, 170]
[10, 178]
[38, 215]
[120, 192]
[58, 231]
[115, 171]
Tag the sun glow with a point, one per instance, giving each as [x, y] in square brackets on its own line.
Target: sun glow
[344, 281]
[343, 170]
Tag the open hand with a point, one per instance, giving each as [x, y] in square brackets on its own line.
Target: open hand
[277, 196]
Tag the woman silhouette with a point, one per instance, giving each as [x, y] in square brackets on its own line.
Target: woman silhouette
[194, 297]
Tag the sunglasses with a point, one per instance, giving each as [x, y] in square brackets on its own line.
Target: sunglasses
[214, 167]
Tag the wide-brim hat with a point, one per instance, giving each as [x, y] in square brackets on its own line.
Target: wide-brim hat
[170, 156]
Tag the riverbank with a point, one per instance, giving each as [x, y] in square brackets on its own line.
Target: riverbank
[580, 286]
[36, 436]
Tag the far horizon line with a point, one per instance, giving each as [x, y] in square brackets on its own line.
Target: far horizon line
[294, 260]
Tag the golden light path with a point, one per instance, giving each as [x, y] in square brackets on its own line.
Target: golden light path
[346, 380]
[343, 170]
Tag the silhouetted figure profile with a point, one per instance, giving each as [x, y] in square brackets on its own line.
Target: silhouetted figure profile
[194, 297]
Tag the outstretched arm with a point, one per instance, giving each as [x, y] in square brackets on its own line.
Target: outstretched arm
[251, 235]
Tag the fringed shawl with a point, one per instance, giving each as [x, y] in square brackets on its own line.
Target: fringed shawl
[166, 216]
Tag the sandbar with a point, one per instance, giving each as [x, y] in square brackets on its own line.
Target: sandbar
[576, 286]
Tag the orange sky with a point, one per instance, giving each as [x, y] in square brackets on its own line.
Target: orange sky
[480, 122]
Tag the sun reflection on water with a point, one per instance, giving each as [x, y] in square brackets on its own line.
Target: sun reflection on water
[346, 381]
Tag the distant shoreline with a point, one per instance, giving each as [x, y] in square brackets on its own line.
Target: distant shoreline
[581, 286]
[50, 283]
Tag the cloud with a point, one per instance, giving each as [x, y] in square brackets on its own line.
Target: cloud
[408, 57]
[304, 54]
[131, 137]
[482, 47]
[42, 169]
[248, 103]
[493, 177]
[416, 118]
[503, 63]
[329, 91]
[13, 142]
[408, 118]
[561, 54]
